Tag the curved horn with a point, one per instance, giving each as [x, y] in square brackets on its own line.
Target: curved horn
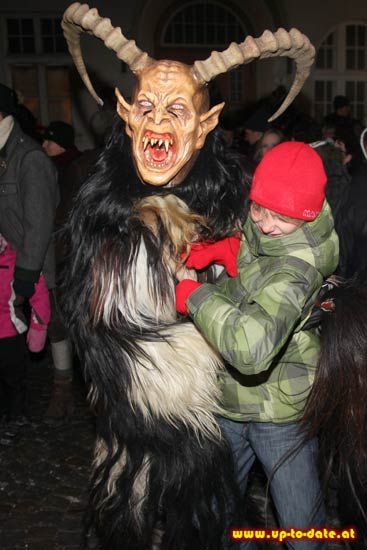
[291, 44]
[79, 18]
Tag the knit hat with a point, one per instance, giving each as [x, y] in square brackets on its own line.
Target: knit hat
[258, 121]
[290, 180]
[61, 133]
[8, 100]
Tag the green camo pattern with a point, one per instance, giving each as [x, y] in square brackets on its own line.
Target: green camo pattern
[255, 320]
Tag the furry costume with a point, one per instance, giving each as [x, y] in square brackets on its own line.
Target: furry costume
[160, 460]
[152, 378]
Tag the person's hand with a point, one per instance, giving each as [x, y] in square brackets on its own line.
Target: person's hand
[183, 290]
[223, 252]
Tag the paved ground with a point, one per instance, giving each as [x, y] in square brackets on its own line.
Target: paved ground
[44, 471]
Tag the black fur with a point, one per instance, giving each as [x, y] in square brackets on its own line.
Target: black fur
[337, 407]
[190, 480]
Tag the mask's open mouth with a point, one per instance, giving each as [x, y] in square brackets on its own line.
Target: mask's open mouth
[158, 149]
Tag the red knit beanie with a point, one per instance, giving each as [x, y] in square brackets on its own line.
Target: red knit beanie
[290, 180]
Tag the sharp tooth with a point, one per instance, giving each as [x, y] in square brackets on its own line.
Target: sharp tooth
[166, 145]
[171, 141]
[145, 142]
[153, 141]
[160, 142]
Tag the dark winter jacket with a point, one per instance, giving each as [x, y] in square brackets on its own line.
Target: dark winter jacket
[351, 225]
[28, 200]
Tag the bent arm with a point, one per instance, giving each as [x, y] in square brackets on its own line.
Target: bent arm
[251, 331]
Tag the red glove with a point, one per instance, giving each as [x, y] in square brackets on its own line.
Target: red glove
[183, 291]
[222, 252]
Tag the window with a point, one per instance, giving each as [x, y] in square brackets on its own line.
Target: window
[203, 24]
[53, 40]
[21, 36]
[37, 65]
[35, 35]
[341, 69]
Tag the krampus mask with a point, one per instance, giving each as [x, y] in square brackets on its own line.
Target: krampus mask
[169, 119]
[161, 469]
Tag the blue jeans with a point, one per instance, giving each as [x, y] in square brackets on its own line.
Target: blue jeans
[294, 485]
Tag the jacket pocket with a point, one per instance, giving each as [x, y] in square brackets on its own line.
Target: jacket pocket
[7, 189]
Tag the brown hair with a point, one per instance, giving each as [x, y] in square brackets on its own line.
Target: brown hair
[261, 209]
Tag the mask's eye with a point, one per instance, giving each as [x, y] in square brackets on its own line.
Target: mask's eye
[145, 104]
[176, 109]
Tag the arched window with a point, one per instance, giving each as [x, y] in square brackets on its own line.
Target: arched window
[341, 69]
[207, 24]
[200, 27]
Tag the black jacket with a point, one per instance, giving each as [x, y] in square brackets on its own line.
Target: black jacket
[28, 199]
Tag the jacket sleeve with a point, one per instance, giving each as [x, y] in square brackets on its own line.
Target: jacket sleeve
[251, 332]
[39, 197]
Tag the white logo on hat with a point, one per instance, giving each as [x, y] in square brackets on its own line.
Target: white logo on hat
[309, 214]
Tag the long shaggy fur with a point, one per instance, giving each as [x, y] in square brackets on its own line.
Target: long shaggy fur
[160, 459]
[337, 406]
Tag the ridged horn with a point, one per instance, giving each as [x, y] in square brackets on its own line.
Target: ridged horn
[292, 44]
[79, 18]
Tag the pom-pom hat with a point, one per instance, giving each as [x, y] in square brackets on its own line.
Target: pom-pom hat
[290, 180]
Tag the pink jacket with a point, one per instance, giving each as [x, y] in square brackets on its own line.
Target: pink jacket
[10, 324]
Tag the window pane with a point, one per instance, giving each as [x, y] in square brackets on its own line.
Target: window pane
[327, 53]
[361, 62]
[329, 59]
[60, 44]
[59, 95]
[47, 44]
[350, 59]
[349, 90]
[12, 26]
[24, 81]
[361, 36]
[46, 26]
[320, 60]
[319, 90]
[350, 30]
[28, 45]
[27, 26]
[360, 91]
[14, 45]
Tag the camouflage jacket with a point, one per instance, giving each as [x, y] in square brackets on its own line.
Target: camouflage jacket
[255, 320]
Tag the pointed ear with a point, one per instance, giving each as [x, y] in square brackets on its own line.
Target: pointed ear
[208, 121]
[123, 108]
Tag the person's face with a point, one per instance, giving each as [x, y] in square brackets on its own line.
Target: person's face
[272, 224]
[51, 148]
[344, 111]
[252, 136]
[269, 141]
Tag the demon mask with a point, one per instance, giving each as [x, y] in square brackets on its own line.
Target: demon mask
[168, 120]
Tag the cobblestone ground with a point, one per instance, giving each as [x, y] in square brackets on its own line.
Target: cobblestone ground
[44, 469]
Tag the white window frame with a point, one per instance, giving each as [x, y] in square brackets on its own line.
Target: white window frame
[39, 60]
[339, 74]
[182, 8]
